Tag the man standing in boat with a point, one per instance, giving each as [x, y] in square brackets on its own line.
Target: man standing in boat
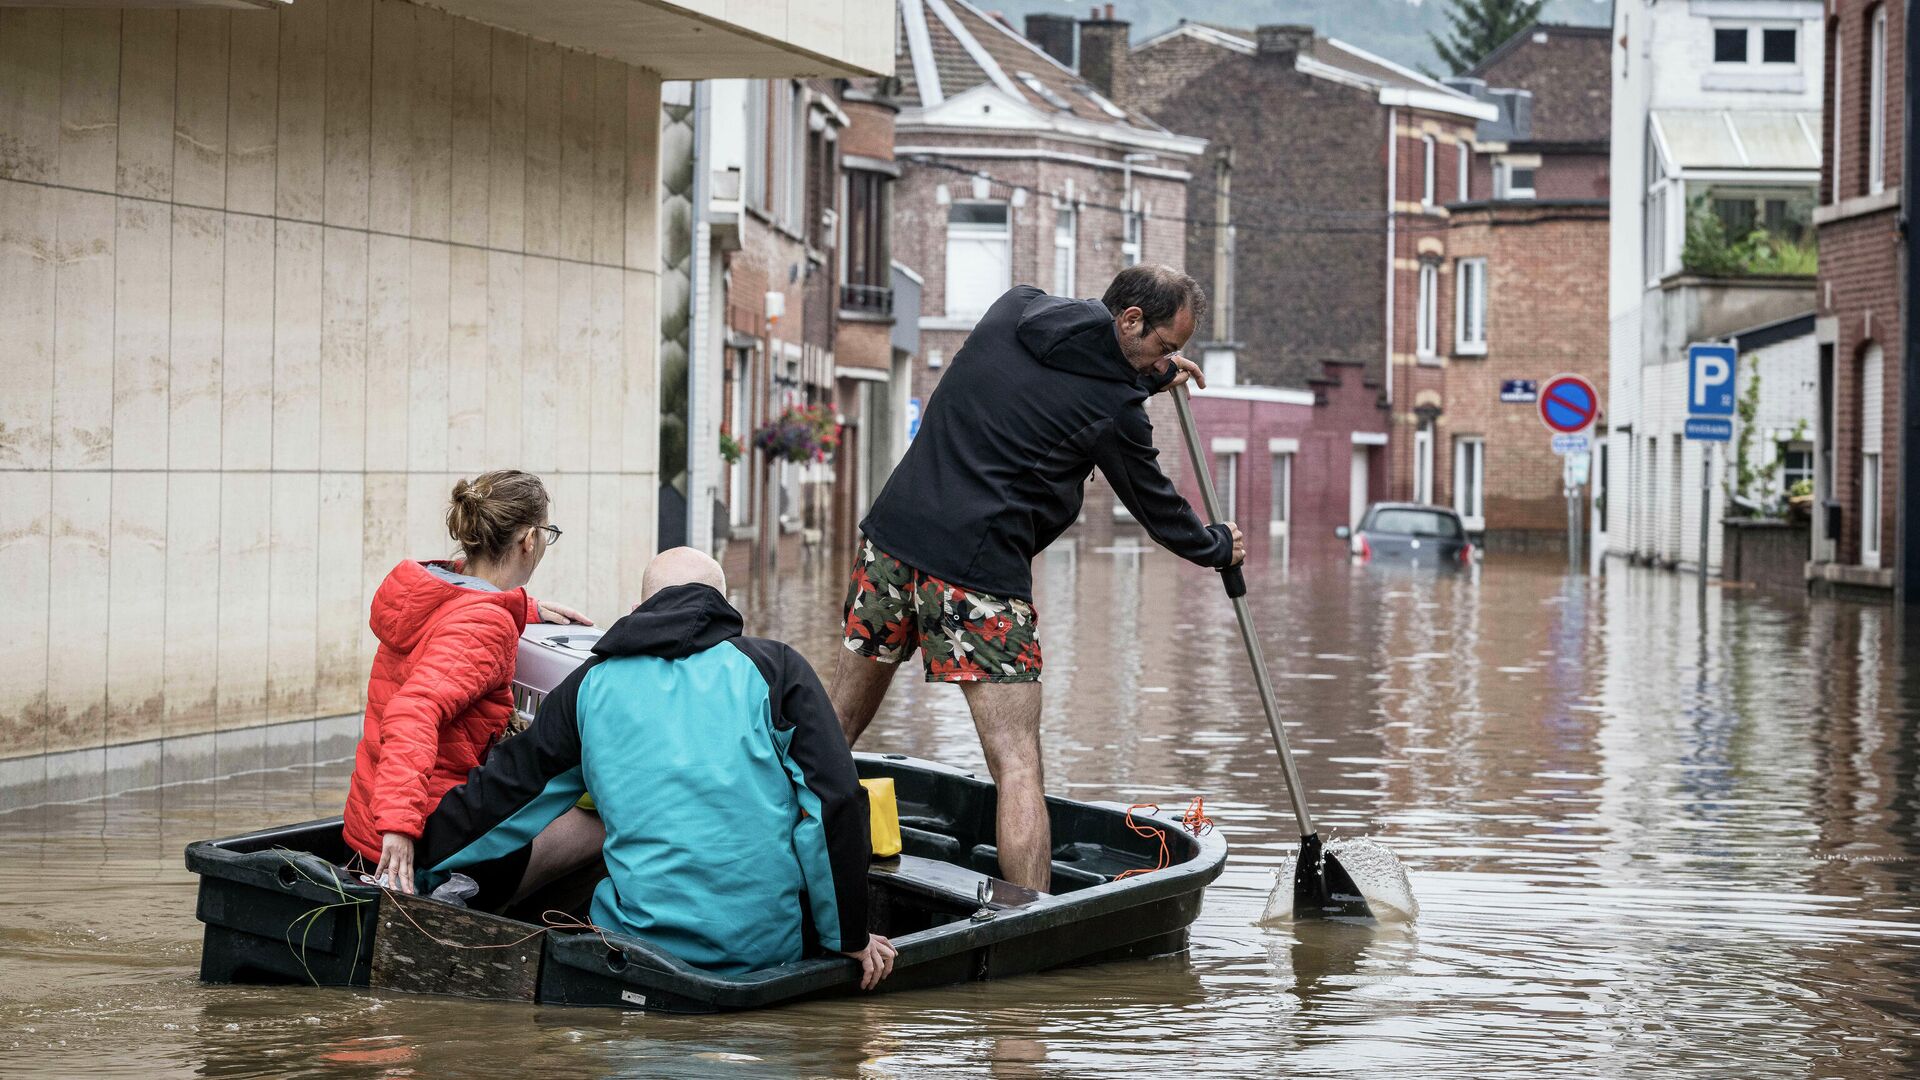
[1045, 390]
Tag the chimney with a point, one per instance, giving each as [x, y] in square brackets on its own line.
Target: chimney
[1103, 53]
[1054, 34]
[1283, 42]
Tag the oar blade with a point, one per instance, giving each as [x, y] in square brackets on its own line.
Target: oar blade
[1322, 888]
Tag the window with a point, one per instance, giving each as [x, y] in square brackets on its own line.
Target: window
[737, 394]
[1065, 233]
[1872, 443]
[1427, 183]
[1730, 45]
[1877, 106]
[1470, 307]
[1463, 160]
[1836, 190]
[1784, 213]
[1281, 511]
[1779, 45]
[1749, 44]
[1655, 246]
[979, 264]
[1514, 179]
[1226, 484]
[783, 191]
[756, 155]
[1796, 464]
[1469, 479]
[1425, 320]
[1423, 463]
[866, 272]
[1130, 238]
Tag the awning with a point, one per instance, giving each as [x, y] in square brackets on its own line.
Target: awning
[1729, 139]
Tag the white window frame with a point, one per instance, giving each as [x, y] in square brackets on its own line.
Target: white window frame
[1470, 306]
[1426, 316]
[1226, 482]
[1470, 480]
[1427, 185]
[976, 233]
[1835, 191]
[1132, 237]
[1756, 41]
[1503, 187]
[1423, 464]
[1464, 164]
[1877, 105]
[1870, 491]
[1280, 509]
[1065, 254]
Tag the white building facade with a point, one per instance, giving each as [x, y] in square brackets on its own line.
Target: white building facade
[1716, 147]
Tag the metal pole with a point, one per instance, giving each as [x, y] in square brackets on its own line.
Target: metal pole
[1244, 615]
[1573, 528]
[1706, 511]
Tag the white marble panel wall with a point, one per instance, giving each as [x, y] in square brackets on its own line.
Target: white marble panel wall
[270, 282]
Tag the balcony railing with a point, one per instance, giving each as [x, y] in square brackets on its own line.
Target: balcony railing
[867, 299]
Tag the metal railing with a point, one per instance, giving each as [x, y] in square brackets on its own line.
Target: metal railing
[869, 299]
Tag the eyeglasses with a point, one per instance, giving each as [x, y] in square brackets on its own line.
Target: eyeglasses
[553, 533]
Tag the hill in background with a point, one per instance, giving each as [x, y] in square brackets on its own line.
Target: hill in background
[1395, 29]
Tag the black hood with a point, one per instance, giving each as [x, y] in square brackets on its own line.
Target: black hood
[676, 622]
[1076, 336]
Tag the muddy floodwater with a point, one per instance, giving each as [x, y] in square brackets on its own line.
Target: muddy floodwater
[1645, 841]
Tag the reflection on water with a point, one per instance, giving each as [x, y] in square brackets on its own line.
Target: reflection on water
[1644, 839]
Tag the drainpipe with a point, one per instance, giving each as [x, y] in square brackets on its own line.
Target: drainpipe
[1393, 159]
[1906, 526]
[1393, 154]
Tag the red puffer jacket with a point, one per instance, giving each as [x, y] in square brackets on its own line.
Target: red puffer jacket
[439, 696]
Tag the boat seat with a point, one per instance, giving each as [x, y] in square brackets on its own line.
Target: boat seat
[950, 882]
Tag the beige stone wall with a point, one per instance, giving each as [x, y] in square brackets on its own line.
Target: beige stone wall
[270, 282]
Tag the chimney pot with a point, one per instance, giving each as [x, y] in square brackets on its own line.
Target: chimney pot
[1109, 12]
[1283, 41]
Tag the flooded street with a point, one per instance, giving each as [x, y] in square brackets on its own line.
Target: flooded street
[1641, 845]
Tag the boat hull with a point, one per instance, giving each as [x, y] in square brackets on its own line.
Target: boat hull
[277, 910]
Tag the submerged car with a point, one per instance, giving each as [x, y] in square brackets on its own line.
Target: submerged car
[1410, 534]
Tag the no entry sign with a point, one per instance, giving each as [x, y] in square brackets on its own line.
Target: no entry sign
[1568, 404]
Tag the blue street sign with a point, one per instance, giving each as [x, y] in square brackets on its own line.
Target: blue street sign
[1709, 429]
[1519, 391]
[1710, 383]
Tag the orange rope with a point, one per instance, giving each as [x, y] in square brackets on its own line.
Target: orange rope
[1195, 820]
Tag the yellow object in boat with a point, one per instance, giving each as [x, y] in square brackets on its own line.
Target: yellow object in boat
[586, 803]
[884, 814]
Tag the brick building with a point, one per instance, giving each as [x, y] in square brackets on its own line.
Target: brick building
[1014, 169]
[1857, 477]
[801, 226]
[1322, 201]
[1527, 296]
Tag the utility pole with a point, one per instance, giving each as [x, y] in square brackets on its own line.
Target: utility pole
[1223, 246]
[1706, 513]
[1906, 526]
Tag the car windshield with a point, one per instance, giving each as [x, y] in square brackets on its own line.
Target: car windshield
[1405, 522]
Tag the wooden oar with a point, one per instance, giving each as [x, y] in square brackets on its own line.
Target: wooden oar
[1321, 886]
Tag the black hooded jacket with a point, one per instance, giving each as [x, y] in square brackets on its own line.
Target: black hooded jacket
[1038, 397]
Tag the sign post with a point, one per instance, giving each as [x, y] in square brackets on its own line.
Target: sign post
[1710, 394]
[1568, 405]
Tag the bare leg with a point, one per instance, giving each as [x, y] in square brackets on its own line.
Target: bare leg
[859, 685]
[1007, 716]
[572, 841]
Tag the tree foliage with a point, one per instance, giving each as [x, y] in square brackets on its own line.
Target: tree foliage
[1477, 27]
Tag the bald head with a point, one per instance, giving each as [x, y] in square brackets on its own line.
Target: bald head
[681, 566]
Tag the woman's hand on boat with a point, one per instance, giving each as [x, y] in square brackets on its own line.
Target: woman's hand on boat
[556, 613]
[876, 960]
[396, 862]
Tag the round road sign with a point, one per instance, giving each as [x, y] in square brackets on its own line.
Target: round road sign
[1568, 404]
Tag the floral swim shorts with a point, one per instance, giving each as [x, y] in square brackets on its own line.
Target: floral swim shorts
[964, 636]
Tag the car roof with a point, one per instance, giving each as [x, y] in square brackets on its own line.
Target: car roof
[1448, 510]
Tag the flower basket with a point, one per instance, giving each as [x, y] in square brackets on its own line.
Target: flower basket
[801, 433]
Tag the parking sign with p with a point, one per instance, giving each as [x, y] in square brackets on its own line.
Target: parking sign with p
[1710, 385]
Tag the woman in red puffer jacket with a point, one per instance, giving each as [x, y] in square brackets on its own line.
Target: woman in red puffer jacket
[441, 691]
